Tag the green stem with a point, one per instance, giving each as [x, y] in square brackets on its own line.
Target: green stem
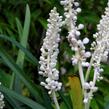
[87, 105]
[88, 70]
[55, 100]
[81, 74]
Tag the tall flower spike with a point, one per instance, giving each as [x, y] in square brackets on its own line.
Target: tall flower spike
[78, 46]
[101, 45]
[48, 58]
[2, 104]
[71, 10]
[101, 50]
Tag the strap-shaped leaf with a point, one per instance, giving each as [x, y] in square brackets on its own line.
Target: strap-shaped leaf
[75, 92]
[27, 53]
[20, 73]
[25, 100]
[16, 83]
[65, 100]
[13, 102]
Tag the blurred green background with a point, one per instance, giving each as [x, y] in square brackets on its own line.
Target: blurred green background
[12, 14]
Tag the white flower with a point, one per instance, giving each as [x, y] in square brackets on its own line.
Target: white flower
[77, 33]
[74, 60]
[85, 100]
[78, 10]
[86, 85]
[80, 26]
[85, 40]
[76, 4]
[85, 64]
[87, 54]
[49, 53]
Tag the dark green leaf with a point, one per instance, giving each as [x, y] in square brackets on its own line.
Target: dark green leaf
[28, 102]
[13, 41]
[18, 71]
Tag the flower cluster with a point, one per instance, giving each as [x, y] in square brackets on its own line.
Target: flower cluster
[71, 10]
[49, 50]
[101, 46]
[100, 54]
[1, 100]
[78, 46]
[71, 14]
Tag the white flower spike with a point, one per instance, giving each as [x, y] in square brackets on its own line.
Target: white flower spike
[49, 53]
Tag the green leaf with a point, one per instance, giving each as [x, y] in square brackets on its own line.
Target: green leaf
[89, 17]
[63, 106]
[5, 78]
[46, 98]
[43, 22]
[25, 32]
[24, 37]
[27, 53]
[66, 102]
[75, 92]
[25, 100]
[107, 106]
[94, 104]
[21, 55]
[19, 27]
[107, 102]
[48, 1]
[19, 72]
[13, 102]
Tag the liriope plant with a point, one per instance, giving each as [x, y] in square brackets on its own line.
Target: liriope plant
[85, 61]
[48, 58]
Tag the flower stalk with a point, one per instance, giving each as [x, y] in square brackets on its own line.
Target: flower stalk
[55, 100]
[49, 53]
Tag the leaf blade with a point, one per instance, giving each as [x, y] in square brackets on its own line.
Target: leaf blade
[23, 99]
[75, 92]
[19, 72]
[13, 41]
